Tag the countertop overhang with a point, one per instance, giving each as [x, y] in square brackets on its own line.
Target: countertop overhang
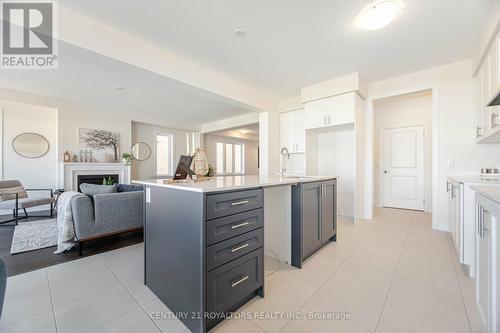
[225, 183]
[475, 179]
[490, 192]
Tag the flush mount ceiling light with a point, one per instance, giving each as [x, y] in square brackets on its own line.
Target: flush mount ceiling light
[119, 88]
[240, 33]
[379, 14]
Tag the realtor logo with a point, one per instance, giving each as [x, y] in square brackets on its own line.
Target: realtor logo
[28, 35]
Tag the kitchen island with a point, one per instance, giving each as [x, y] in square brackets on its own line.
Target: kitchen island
[206, 242]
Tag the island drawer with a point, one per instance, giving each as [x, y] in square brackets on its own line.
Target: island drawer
[231, 283]
[233, 248]
[224, 204]
[233, 225]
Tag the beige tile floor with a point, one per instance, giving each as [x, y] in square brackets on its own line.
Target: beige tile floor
[390, 274]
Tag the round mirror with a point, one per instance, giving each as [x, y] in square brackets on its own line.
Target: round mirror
[30, 145]
[141, 151]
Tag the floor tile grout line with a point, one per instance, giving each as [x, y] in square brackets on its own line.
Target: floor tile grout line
[394, 274]
[453, 258]
[90, 294]
[133, 297]
[35, 314]
[51, 300]
[309, 299]
[343, 262]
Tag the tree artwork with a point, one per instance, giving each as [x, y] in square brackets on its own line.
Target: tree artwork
[102, 146]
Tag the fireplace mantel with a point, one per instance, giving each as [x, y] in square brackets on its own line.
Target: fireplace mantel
[72, 170]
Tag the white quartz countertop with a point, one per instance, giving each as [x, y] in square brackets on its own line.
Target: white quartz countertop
[475, 179]
[225, 183]
[490, 192]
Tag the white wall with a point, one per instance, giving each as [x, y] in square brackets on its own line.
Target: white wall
[457, 151]
[404, 111]
[335, 149]
[251, 151]
[269, 140]
[147, 133]
[21, 118]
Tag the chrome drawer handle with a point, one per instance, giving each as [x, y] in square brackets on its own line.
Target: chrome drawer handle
[239, 203]
[236, 226]
[234, 284]
[239, 248]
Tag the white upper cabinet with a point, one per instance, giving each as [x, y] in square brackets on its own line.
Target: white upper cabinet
[341, 109]
[331, 111]
[292, 131]
[316, 113]
[486, 86]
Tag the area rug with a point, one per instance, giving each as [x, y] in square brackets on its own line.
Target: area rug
[34, 235]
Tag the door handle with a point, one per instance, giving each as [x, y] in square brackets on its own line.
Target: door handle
[243, 279]
[494, 117]
[240, 225]
[385, 171]
[236, 249]
[239, 203]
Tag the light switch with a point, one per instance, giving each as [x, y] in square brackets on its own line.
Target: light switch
[451, 163]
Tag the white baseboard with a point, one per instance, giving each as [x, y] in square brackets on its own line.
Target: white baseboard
[441, 227]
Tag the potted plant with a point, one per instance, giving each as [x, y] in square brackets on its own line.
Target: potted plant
[127, 158]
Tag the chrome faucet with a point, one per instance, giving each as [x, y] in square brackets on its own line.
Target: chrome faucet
[284, 151]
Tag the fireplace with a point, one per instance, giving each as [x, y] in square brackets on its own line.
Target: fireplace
[96, 179]
[76, 173]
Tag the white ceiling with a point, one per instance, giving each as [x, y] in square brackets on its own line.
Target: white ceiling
[291, 44]
[88, 78]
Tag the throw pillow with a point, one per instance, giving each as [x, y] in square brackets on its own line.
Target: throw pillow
[9, 193]
[92, 189]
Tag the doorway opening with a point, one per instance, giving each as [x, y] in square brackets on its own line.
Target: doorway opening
[233, 151]
[403, 151]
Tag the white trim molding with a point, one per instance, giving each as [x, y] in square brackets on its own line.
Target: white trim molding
[71, 171]
[369, 163]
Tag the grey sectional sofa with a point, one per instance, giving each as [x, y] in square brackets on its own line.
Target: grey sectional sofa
[105, 214]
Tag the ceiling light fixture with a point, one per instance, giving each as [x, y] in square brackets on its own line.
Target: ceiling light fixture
[119, 88]
[244, 131]
[240, 33]
[379, 14]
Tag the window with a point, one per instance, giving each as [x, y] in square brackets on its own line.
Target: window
[230, 158]
[164, 154]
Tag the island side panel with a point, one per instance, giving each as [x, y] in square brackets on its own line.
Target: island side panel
[174, 252]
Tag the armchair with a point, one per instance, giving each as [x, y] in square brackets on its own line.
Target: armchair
[107, 213]
[17, 202]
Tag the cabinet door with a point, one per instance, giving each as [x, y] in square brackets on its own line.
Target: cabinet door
[315, 114]
[311, 225]
[340, 109]
[286, 126]
[485, 95]
[300, 131]
[328, 218]
[483, 263]
[478, 110]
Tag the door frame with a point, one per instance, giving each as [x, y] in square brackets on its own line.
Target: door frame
[382, 165]
[369, 142]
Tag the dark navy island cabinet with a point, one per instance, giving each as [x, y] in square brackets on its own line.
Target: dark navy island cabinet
[204, 252]
[314, 218]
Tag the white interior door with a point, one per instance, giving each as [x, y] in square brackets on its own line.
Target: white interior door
[402, 162]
